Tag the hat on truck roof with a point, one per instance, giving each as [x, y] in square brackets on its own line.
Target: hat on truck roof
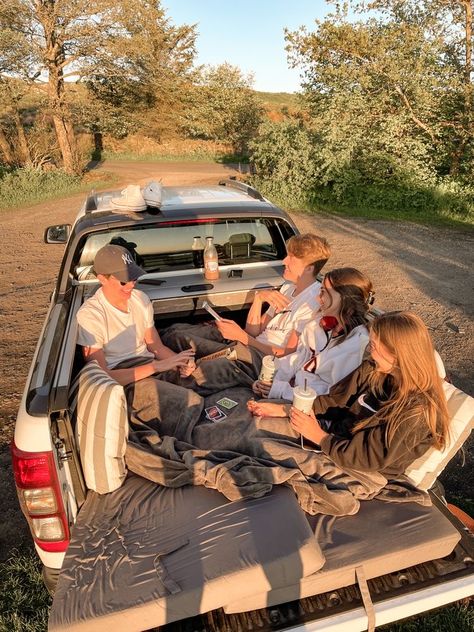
[117, 261]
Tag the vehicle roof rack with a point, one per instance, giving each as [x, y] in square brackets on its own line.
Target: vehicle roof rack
[241, 186]
[91, 202]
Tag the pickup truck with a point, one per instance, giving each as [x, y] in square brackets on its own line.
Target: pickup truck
[269, 566]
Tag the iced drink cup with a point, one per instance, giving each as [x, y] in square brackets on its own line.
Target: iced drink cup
[303, 398]
[268, 369]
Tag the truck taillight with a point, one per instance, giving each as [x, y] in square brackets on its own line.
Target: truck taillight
[40, 498]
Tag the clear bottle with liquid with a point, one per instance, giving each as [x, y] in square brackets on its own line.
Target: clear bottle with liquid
[211, 264]
[198, 252]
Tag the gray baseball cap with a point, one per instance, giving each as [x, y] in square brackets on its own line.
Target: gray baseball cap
[117, 261]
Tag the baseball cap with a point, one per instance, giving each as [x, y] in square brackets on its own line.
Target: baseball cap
[117, 261]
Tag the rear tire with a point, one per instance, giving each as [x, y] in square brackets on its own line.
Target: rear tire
[50, 578]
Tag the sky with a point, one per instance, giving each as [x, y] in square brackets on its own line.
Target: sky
[248, 34]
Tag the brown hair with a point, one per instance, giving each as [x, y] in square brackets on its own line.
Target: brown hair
[418, 391]
[356, 292]
[313, 250]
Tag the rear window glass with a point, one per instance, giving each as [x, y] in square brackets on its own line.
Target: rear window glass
[167, 246]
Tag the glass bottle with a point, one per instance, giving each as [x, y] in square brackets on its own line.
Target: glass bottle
[211, 264]
[198, 252]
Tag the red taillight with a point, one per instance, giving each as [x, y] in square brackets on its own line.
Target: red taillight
[40, 498]
[33, 470]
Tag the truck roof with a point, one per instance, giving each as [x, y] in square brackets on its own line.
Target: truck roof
[227, 195]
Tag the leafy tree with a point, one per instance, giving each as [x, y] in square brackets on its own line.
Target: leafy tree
[118, 48]
[390, 97]
[222, 106]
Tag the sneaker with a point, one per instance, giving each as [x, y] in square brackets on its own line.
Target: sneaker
[152, 194]
[131, 199]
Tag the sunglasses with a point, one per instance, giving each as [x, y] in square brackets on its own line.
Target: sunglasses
[123, 283]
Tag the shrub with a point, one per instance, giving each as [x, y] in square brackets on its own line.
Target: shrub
[284, 158]
[22, 186]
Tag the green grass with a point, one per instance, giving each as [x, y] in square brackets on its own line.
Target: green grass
[24, 601]
[194, 156]
[431, 216]
[428, 218]
[455, 618]
[24, 187]
[279, 99]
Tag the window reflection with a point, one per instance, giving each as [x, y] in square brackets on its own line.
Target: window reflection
[168, 247]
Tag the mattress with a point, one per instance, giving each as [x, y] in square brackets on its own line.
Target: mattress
[146, 555]
[381, 538]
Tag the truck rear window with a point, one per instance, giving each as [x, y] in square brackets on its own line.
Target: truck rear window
[167, 246]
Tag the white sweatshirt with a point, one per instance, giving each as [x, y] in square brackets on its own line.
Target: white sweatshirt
[333, 362]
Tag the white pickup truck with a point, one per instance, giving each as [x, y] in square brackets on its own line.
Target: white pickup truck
[143, 556]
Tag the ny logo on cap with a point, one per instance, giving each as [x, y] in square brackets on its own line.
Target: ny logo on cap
[126, 258]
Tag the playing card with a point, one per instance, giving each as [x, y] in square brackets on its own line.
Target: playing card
[226, 402]
[214, 413]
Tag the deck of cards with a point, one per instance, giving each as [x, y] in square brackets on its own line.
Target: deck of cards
[215, 413]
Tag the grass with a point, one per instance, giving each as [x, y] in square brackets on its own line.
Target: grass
[25, 187]
[445, 219]
[197, 156]
[432, 216]
[24, 601]
[279, 99]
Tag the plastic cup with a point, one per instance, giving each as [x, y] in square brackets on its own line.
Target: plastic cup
[303, 398]
[268, 369]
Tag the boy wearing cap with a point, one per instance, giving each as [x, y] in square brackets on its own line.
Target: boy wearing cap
[116, 329]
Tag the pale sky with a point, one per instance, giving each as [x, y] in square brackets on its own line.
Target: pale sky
[248, 34]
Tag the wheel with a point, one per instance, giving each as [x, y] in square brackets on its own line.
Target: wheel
[50, 578]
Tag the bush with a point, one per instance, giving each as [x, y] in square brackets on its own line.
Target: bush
[297, 169]
[26, 186]
[284, 158]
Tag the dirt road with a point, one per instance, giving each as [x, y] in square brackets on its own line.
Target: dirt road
[424, 269]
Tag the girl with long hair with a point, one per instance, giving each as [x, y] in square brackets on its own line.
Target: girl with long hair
[331, 345]
[390, 410]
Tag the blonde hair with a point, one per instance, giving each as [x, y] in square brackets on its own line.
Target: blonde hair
[417, 391]
[311, 249]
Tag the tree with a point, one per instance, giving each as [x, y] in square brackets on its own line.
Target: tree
[222, 106]
[391, 95]
[130, 43]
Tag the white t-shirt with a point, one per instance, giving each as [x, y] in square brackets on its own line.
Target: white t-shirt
[121, 335]
[298, 312]
[332, 362]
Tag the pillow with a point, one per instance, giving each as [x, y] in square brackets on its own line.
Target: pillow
[424, 471]
[99, 408]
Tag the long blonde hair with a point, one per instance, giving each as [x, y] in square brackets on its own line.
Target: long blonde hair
[417, 391]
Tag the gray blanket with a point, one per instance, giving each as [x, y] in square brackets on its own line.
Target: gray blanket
[243, 456]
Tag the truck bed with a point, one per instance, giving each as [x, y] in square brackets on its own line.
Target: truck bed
[231, 574]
